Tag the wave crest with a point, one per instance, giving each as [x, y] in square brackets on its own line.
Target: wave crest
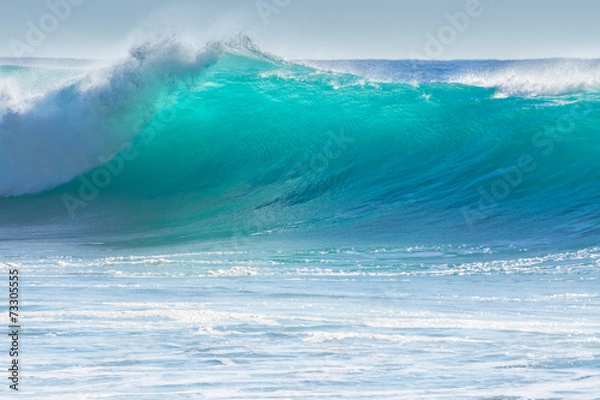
[51, 137]
[536, 78]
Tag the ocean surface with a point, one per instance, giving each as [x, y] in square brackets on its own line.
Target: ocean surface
[216, 222]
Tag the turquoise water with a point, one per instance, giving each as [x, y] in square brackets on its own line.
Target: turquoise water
[225, 224]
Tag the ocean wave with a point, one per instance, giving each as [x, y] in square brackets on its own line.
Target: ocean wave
[224, 141]
[79, 120]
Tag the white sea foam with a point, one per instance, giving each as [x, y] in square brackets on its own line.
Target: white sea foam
[536, 78]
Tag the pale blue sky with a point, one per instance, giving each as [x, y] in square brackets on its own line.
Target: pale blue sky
[392, 29]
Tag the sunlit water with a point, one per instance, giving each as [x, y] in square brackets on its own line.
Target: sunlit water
[437, 322]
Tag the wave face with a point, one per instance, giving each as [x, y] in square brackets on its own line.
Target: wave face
[175, 145]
